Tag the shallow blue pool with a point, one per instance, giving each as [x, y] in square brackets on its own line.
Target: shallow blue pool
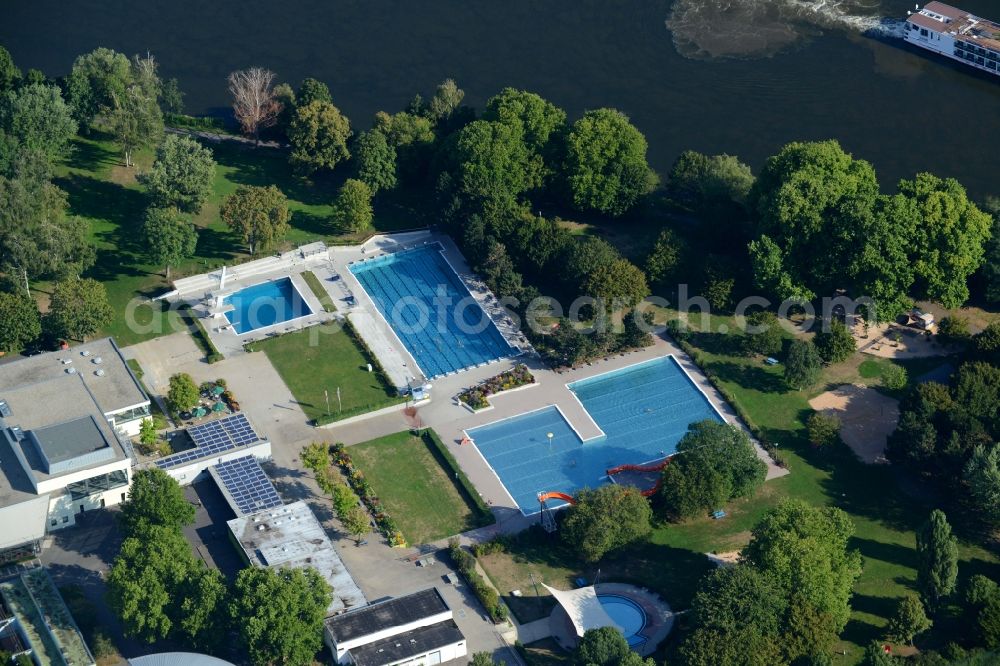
[265, 304]
[439, 322]
[643, 409]
[627, 614]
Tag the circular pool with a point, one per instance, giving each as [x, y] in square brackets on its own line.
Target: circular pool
[627, 614]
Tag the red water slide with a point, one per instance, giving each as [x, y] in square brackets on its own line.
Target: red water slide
[542, 497]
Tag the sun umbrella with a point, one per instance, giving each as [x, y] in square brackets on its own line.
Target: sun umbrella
[219, 406]
[218, 390]
[200, 411]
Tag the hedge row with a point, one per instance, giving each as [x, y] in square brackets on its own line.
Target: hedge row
[200, 336]
[360, 485]
[487, 595]
[465, 487]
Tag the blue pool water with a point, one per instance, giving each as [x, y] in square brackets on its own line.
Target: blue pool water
[431, 311]
[265, 304]
[627, 614]
[643, 409]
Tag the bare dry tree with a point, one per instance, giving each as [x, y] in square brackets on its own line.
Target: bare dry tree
[254, 104]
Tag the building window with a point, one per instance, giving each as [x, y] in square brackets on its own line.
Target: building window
[127, 415]
[923, 32]
[65, 519]
[53, 522]
[97, 484]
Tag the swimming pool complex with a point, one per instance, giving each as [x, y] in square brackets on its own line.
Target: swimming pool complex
[427, 305]
[265, 304]
[643, 409]
[627, 614]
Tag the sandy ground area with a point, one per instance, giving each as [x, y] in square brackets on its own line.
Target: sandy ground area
[867, 418]
[728, 559]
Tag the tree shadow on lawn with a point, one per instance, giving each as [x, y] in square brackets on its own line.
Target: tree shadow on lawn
[860, 632]
[747, 376]
[87, 156]
[312, 223]
[123, 207]
[891, 553]
[269, 166]
[216, 244]
[112, 265]
[723, 344]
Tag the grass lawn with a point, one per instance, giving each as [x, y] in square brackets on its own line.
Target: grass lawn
[324, 358]
[885, 516]
[419, 494]
[108, 196]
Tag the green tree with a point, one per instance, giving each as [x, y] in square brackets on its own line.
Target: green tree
[280, 614]
[37, 238]
[79, 308]
[485, 659]
[95, 80]
[182, 174]
[937, 552]
[605, 519]
[318, 135]
[446, 100]
[954, 330]
[19, 322]
[823, 430]
[376, 161]
[37, 118]
[135, 120]
[835, 344]
[170, 237]
[606, 162]
[950, 239]
[805, 549]
[763, 334]
[182, 393]
[986, 343]
[171, 97]
[492, 162]
[258, 214]
[876, 655]
[894, 377]
[147, 433]
[808, 201]
[10, 75]
[144, 582]
[715, 463]
[356, 521]
[665, 259]
[701, 179]
[155, 499]
[909, 620]
[618, 284]
[540, 122]
[202, 617]
[982, 476]
[606, 647]
[742, 606]
[312, 90]
[352, 211]
[803, 364]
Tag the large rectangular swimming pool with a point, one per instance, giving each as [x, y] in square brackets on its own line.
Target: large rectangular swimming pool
[643, 409]
[427, 305]
[265, 304]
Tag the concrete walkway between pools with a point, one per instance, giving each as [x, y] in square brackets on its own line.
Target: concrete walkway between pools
[450, 420]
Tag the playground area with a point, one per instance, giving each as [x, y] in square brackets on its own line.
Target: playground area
[867, 418]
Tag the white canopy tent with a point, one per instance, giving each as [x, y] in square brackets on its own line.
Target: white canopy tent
[583, 607]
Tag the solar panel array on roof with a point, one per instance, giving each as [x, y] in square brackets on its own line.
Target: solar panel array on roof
[212, 438]
[247, 484]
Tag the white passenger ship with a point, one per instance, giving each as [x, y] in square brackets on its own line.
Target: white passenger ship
[956, 34]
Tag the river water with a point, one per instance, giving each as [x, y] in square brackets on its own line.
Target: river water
[737, 76]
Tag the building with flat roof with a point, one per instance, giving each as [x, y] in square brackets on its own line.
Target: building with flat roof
[103, 370]
[35, 621]
[416, 629]
[65, 419]
[291, 536]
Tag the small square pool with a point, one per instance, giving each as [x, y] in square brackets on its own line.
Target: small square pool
[265, 304]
